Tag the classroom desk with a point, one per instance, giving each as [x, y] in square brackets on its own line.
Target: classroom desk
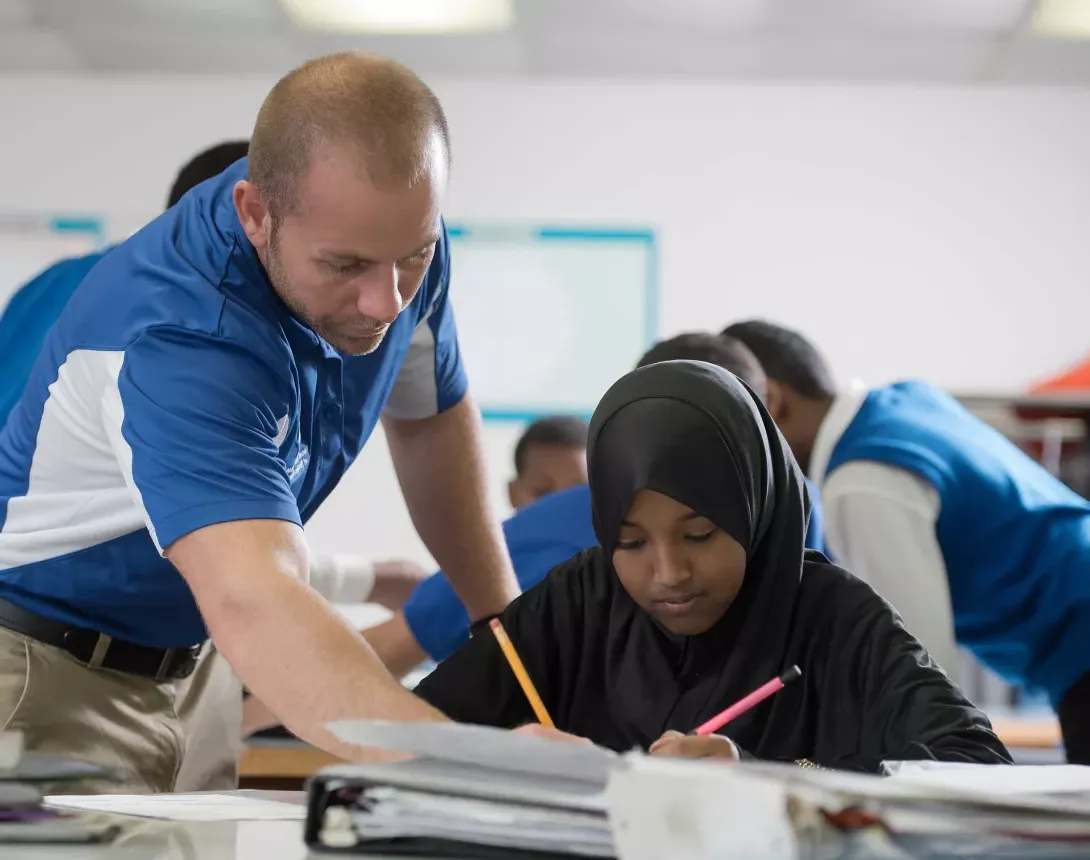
[145, 839]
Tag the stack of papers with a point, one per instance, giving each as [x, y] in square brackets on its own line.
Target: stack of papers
[394, 813]
[467, 788]
[182, 807]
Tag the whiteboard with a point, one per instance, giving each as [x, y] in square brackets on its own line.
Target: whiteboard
[29, 244]
[549, 318]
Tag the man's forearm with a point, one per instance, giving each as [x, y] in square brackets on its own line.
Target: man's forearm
[295, 653]
[440, 466]
[287, 645]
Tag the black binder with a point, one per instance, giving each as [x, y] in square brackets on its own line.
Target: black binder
[336, 793]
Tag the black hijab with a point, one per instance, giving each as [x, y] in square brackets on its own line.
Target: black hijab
[694, 432]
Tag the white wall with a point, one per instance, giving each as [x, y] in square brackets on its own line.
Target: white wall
[912, 231]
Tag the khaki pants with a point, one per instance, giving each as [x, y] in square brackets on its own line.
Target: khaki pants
[171, 736]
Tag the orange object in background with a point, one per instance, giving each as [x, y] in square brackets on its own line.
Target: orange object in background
[1075, 379]
[1073, 383]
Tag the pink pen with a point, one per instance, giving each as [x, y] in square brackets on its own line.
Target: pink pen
[742, 705]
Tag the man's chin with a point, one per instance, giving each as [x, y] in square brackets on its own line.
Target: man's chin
[357, 345]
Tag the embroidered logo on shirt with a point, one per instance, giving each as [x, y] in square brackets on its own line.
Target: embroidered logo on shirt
[302, 458]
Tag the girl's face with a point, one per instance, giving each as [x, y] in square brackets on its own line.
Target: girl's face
[678, 566]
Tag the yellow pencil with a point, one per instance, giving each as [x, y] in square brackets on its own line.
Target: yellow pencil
[520, 672]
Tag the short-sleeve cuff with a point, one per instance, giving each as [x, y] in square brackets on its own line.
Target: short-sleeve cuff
[191, 519]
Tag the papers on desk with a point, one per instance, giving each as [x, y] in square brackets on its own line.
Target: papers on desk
[1020, 781]
[482, 746]
[469, 791]
[182, 807]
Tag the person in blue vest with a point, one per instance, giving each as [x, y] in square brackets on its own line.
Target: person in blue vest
[969, 539]
[203, 391]
[542, 534]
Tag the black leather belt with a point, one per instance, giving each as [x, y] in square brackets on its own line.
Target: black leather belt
[99, 651]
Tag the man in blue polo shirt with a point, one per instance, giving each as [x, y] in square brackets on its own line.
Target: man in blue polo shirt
[205, 388]
[967, 537]
[544, 533]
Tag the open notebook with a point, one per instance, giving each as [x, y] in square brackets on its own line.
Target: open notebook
[468, 792]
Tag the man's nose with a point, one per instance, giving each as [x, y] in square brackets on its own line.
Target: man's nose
[377, 295]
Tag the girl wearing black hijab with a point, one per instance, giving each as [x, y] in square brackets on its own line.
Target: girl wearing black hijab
[700, 592]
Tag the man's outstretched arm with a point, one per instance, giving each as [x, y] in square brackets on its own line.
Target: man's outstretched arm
[288, 646]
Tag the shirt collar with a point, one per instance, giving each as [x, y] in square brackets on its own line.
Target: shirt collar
[843, 411]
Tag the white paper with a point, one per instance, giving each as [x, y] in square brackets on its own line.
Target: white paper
[482, 746]
[183, 807]
[1018, 780]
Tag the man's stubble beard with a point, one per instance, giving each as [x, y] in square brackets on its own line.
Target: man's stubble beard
[281, 286]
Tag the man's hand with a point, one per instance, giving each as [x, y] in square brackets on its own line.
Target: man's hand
[536, 730]
[439, 462]
[287, 645]
[677, 745]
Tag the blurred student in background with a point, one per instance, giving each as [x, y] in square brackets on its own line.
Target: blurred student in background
[34, 308]
[968, 538]
[550, 456]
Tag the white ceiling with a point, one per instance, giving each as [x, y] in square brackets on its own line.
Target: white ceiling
[956, 41]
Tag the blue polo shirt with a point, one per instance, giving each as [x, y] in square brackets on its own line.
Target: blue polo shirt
[1015, 540]
[539, 536]
[176, 391]
[27, 318]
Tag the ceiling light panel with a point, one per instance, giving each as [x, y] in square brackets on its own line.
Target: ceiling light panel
[402, 16]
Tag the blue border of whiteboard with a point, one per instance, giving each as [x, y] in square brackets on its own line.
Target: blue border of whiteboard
[547, 233]
[96, 227]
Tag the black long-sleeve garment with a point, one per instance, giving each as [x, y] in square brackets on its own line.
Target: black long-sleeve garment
[868, 692]
[610, 672]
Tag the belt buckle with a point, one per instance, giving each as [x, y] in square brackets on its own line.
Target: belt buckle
[164, 666]
[181, 671]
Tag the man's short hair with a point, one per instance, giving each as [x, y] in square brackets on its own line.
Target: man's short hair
[375, 106]
[726, 352]
[565, 431]
[204, 165]
[787, 357]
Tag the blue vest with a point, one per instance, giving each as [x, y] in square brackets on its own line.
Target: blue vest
[1015, 540]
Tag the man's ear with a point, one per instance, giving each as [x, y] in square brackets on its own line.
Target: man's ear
[512, 493]
[777, 401]
[252, 213]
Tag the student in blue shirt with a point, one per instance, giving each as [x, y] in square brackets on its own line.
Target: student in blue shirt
[202, 393]
[550, 456]
[546, 532]
[968, 538]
